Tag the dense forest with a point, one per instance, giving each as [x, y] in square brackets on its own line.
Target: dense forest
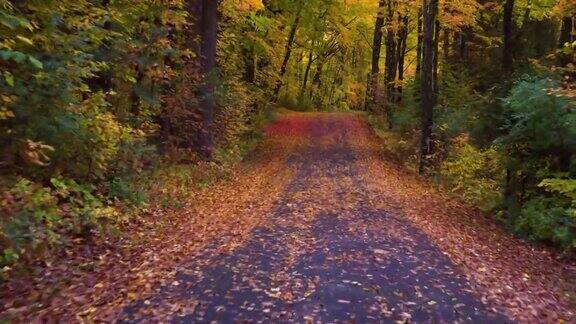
[111, 108]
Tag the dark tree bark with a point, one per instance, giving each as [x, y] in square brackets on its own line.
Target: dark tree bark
[430, 10]
[507, 55]
[391, 63]
[367, 95]
[510, 188]
[249, 65]
[317, 76]
[376, 49]
[436, 54]
[317, 80]
[566, 31]
[299, 73]
[401, 55]
[460, 45]
[207, 28]
[287, 52]
[419, 44]
[307, 72]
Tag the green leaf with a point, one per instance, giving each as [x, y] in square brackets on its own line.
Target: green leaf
[19, 57]
[9, 78]
[37, 64]
[6, 55]
[9, 255]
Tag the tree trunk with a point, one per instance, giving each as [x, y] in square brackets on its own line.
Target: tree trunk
[401, 55]
[419, 44]
[436, 54]
[208, 30]
[307, 72]
[376, 48]
[507, 66]
[367, 95]
[460, 45]
[507, 55]
[567, 31]
[391, 63]
[317, 80]
[288, 52]
[249, 65]
[428, 100]
[390, 75]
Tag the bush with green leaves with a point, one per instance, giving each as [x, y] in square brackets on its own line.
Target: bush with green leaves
[524, 144]
[475, 174]
[540, 151]
[37, 219]
[28, 226]
[63, 68]
[552, 217]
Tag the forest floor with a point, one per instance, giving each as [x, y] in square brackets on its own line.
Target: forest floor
[317, 225]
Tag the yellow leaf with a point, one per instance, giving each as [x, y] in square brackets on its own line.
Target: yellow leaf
[25, 40]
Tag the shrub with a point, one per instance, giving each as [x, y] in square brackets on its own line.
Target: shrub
[28, 226]
[476, 174]
[540, 156]
[401, 146]
[36, 219]
[552, 218]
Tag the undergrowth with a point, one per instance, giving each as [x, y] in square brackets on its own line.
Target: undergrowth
[521, 171]
[40, 219]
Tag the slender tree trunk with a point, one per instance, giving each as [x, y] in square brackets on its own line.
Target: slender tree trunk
[288, 52]
[459, 48]
[428, 100]
[317, 80]
[401, 55]
[208, 30]
[299, 72]
[318, 75]
[249, 65]
[391, 63]
[367, 95]
[511, 186]
[567, 31]
[507, 55]
[376, 49]
[419, 44]
[436, 54]
[390, 75]
[307, 72]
